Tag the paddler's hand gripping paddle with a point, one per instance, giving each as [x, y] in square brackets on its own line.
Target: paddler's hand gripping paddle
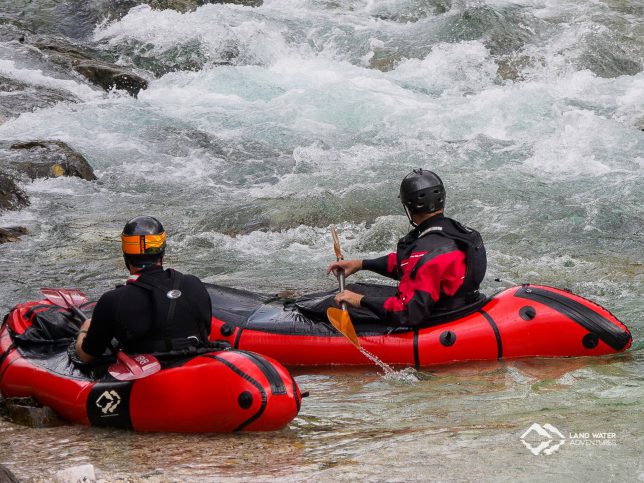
[126, 368]
[340, 318]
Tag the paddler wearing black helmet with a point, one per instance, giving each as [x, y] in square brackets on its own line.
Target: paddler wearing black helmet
[156, 311]
[439, 264]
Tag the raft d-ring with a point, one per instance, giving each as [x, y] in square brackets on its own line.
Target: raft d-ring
[245, 400]
[590, 340]
[527, 312]
[448, 338]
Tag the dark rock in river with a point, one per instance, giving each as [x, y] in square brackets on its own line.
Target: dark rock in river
[11, 234]
[11, 197]
[28, 412]
[44, 159]
[99, 72]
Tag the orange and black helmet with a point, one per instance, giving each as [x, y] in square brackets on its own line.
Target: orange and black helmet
[143, 241]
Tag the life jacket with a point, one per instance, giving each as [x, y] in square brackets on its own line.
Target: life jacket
[471, 243]
[176, 322]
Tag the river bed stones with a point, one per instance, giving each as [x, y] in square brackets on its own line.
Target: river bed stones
[80, 474]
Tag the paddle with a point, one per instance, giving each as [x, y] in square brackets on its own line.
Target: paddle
[67, 298]
[340, 318]
[126, 368]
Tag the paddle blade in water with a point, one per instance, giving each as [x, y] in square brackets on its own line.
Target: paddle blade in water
[342, 322]
[65, 297]
[128, 368]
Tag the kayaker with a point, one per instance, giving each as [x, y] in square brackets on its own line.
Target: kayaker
[439, 264]
[156, 311]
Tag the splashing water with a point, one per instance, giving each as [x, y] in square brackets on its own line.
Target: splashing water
[406, 375]
[382, 365]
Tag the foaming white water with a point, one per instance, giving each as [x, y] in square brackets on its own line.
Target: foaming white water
[217, 30]
[575, 149]
[461, 68]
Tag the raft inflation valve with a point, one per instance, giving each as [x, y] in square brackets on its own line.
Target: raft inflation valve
[448, 338]
[590, 340]
[245, 400]
[227, 330]
[527, 313]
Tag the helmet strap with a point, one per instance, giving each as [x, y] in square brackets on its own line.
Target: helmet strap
[409, 217]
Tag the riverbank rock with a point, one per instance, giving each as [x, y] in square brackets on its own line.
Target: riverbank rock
[44, 159]
[99, 72]
[11, 233]
[27, 411]
[11, 197]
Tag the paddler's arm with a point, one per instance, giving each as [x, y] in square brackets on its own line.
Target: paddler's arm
[385, 266]
[82, 333]
[349, 297]
[96, 333]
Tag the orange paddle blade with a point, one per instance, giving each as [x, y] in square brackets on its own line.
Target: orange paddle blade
[342, 322]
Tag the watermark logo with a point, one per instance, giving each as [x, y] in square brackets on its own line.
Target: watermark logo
[547, 439]
[108, 402]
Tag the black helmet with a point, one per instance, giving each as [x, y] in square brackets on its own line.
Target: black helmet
[143, 241]
[422, 191]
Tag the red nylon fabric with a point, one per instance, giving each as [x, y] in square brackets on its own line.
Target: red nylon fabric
[442, 274]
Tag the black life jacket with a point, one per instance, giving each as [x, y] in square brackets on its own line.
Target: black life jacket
[471, 243]
[177, 325]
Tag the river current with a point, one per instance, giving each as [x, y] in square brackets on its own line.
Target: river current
[262, 126]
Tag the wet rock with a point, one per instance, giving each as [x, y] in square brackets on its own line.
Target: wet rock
[11, 197]
[385, 61]
[110, 76]
[19, 97]
[511, 67]
[28, 412]
[97, 71]
[44, 159]
[76, 474]
[7, 476]
[11, 29]
[11, 233]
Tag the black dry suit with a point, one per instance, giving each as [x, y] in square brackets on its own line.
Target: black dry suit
[159, 311]
[471, 243]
